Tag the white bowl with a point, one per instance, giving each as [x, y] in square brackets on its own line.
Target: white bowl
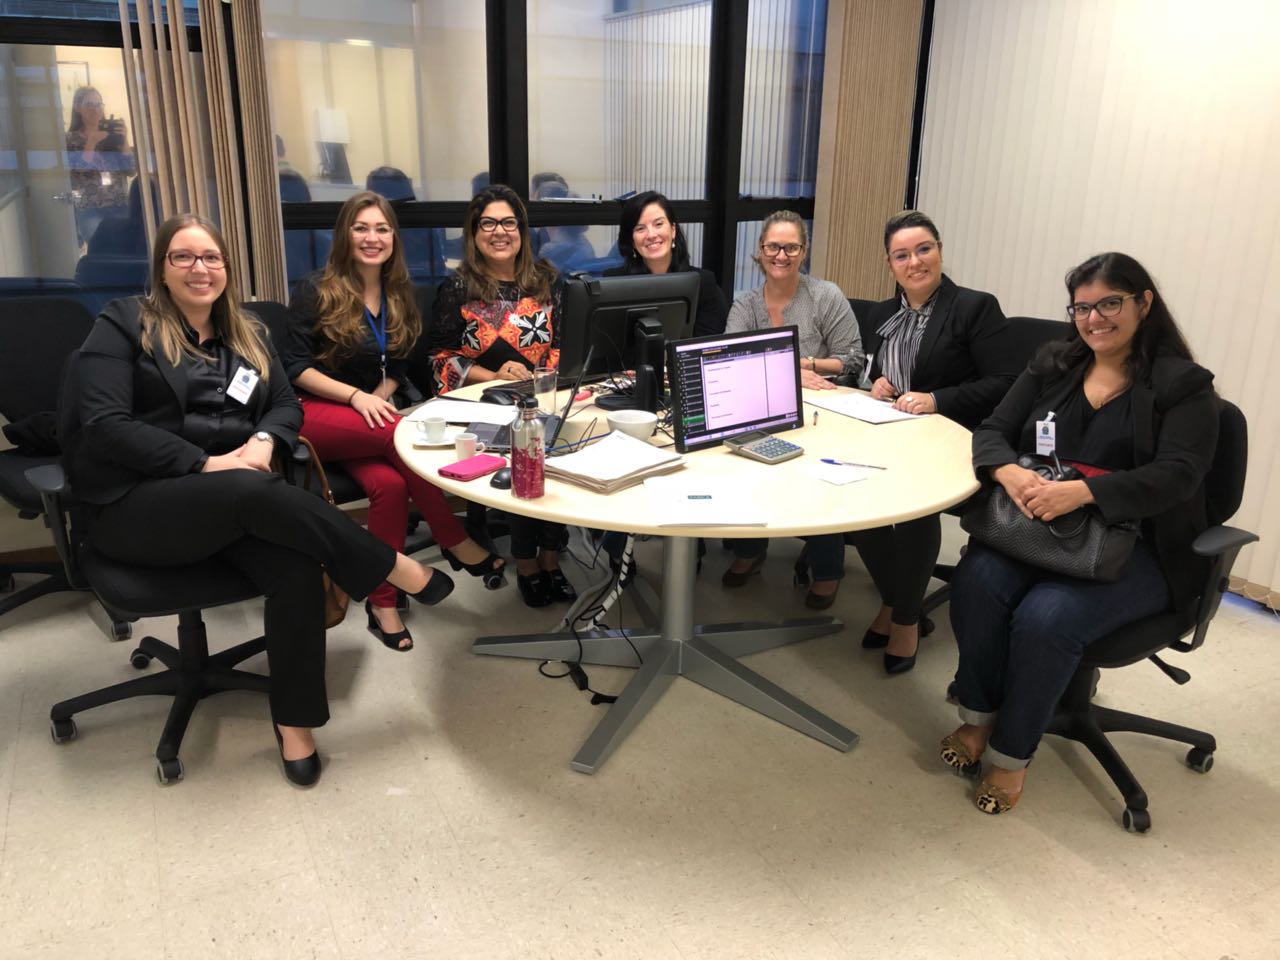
[634, 423]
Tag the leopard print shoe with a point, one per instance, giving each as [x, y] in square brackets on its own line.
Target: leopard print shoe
[956, 755]
[991, 799]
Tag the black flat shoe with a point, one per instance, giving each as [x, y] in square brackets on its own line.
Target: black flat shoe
[302, 773]
[389, 640]
[438, 587]
[559, 589]
[873, 640]
[820, 601]
[489, 570]
[894, 664]
[732, 578]
[534, 590]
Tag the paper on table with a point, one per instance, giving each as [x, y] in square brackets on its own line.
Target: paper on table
[683, 501]
[839, 473]
[464, 411]
[859, 406]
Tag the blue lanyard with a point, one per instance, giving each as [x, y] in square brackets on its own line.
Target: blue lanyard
[379, 327]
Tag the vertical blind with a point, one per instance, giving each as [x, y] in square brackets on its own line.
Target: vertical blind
[1057, 129]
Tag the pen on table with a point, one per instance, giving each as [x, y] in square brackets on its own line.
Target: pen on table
[815, 418]
[850, 463]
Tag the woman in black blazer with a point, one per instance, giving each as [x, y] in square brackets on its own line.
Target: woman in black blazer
[934, 348]
[1139, 420]
[181, 407]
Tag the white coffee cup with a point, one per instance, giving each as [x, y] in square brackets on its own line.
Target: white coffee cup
[431, 429]
[466, 445]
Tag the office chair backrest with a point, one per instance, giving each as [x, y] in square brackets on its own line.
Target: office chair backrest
[861, 310]
[1224, 486]
[1025, 335]
[276, 318]
[38, 334]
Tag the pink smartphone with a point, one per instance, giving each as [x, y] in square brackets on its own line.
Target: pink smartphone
[472, 467]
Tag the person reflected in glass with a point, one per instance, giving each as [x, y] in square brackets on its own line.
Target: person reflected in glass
[566, 246]
[936, 348]
[830, 346]
[99, 160]
[182, 406]
[352, 327]
[497, 318]
[651, 241]
[1139, 419]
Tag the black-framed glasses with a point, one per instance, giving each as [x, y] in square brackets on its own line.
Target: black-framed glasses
[790, 249]
[1106, 307]
[508, 224]
[922, 251]
[185, 260]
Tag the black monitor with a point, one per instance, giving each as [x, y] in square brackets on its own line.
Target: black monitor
[626, 324]
[734, 383]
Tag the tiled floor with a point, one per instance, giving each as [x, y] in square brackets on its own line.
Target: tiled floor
[449, 824]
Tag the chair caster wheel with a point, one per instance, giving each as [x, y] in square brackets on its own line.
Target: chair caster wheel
[926, 627]
[62, 730]
[121, 630]
[494, 581]
[169, 771]
[1201, 761]
[140, 659]
[1136, 821]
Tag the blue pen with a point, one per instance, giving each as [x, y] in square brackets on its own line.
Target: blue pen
[850, 463]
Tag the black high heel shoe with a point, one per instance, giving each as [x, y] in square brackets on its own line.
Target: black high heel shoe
[559, 589]
[389, 640]
[438, 587]
[490, 570]
[534, 589]
[304, 772]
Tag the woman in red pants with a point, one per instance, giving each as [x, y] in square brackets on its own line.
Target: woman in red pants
[354, 324]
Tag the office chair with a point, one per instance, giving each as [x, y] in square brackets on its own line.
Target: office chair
[1078, 718]
[135, 592]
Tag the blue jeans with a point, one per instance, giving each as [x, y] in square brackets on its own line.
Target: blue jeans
[826, 553]
[1022, 631]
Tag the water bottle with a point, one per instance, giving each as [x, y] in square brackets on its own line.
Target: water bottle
[528, 452]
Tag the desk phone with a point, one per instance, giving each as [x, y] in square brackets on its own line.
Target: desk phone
[764, 447]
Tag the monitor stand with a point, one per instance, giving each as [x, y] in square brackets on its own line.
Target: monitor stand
[642, 396]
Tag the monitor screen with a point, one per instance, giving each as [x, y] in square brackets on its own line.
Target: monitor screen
[730, 384]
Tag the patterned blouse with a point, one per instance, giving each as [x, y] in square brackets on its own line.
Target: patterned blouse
[102, 181]
[465, 331]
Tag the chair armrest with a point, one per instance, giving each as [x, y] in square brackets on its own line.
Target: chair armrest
[1218, 540]
[50, 481]
[1221, 545]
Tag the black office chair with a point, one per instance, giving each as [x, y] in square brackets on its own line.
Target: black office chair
[39, 333]
[1078, 718]
[135, 592]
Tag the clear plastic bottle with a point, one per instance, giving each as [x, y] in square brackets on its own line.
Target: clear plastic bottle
[528, 452]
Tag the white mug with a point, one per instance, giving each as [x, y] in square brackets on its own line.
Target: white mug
[431, 429]
[466, 445]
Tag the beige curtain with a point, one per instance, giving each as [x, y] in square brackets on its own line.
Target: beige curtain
[179, 124]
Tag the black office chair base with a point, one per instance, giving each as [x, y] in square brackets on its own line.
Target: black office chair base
[1079, 719]
[191, 675]
[55, 580]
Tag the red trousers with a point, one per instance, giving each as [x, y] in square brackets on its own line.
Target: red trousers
[341, 436]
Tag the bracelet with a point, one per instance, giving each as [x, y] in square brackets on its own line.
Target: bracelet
[353, 396]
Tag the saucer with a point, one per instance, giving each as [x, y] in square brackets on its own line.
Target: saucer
[450, 435]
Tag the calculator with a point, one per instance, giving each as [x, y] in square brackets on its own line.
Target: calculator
[764, 447]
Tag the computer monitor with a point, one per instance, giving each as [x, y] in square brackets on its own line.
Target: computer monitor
[734, 383]
[627, 322]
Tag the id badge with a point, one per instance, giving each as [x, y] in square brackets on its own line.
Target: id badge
[242, 385]
[1046, 436]
[105, 177]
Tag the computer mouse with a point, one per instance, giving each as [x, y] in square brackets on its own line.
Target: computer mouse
[501, 479]
[498, 395]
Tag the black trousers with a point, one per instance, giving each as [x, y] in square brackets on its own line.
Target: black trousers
[279, 537]
[900, 559]
[529, 535]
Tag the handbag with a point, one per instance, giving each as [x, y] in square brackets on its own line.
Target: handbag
[1078, 544]
[336, 600]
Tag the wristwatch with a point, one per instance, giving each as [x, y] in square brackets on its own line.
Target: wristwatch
[263, 435]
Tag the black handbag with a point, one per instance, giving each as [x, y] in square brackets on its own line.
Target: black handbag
[1078, 544]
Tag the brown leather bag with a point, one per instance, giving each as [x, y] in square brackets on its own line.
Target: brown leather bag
[336, 600]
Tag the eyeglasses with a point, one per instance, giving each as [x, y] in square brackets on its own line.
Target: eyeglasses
[363, 230]
[508, 224]
[1106, 307]
[922, 251]
[92, 104]
[185, 260]
[790, 249]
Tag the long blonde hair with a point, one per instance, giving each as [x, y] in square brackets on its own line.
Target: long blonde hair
[163, 326]
[340, 292]
[533, 277]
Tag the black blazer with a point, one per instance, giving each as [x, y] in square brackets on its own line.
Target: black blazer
[131, 407]
[962, 360]
[1175, 435]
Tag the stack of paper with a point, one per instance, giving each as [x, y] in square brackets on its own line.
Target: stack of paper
[859, 406]
[615, 462]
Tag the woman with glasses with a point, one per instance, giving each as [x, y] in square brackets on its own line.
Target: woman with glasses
[830, 346]
[497, 318]
[182, 404]
[100, 162]
[1139, 422]
[935, 348]
[353, 326]
[652, 241]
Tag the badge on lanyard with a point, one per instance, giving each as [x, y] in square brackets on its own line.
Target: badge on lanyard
[1046, 435]
[242, 385]
[379, 327]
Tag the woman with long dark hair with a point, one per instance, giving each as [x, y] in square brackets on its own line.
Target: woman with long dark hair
[1138, 420]
[99, 160]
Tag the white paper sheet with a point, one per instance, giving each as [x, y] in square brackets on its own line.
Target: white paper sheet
[840, 474]
[859, 406]
[684, 501]
[464, 411]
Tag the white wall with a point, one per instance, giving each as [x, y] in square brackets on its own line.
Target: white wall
[1056, 129]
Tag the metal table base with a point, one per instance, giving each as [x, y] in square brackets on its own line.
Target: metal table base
[704, 654]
